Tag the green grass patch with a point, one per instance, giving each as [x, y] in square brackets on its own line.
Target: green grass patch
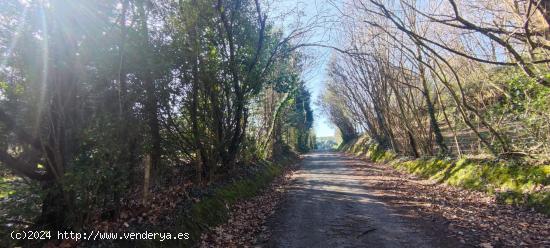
[377, 154]
[6, 187]
[511, 182]
[363, 146]
[214, 209]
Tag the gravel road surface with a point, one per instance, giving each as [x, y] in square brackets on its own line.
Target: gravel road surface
[330, 204]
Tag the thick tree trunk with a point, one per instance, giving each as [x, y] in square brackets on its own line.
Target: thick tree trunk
[202, 161]
[54, 208]
[154, 129]
[151, 102]
[412, 142]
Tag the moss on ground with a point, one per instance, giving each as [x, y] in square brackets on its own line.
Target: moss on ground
[6, 187]
[510, 182]
[377, 154]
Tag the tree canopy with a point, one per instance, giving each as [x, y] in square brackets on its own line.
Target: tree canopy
[100, 98]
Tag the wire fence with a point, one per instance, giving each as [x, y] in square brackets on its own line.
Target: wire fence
[517, 134]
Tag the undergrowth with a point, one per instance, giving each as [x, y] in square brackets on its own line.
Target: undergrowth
[510, 182]
[213, 208]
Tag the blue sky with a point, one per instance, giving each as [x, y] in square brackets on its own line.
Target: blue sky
[315, 80]
[315, 74]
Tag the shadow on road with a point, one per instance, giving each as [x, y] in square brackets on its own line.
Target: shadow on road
[334, 203]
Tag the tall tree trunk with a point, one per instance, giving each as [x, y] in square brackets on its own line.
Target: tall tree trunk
[54, 209]
[431, 110]
[406, 123]
[463, 105]
[457, 145]
[202, 160]
[146, 178]
[126, 156]
[151, 102]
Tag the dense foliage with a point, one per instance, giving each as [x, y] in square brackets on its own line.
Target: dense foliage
[102, 100]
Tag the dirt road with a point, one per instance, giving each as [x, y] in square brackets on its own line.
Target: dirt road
[331, 204]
